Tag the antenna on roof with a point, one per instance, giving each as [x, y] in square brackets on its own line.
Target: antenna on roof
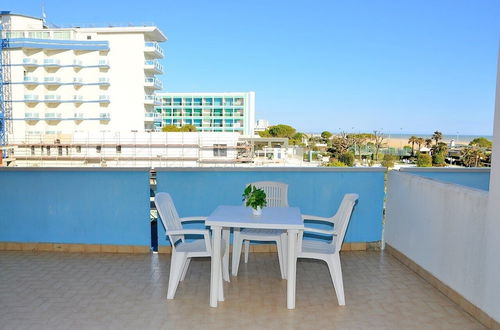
[44, 15]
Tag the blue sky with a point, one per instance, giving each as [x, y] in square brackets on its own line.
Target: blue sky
[411, 66]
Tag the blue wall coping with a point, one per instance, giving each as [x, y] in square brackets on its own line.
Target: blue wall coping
[478, 178]
[316, 191]
[75, 205]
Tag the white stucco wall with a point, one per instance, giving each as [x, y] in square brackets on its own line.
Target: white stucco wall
[492, 249]
[441, 227]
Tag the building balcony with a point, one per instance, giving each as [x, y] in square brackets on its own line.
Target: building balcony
[77, 63]
[77, 81]
[51, 63]
[153, 67]
[78, 116]
[152, 117]
[153, 50]
[103, 81]
[104, 116]
[52, 80]
[153, 83]
[30, 80]
[77, 98]
[52, 98]
[32, 116]
[30, 62]
[103, 63]
[53, 116]
[30, 98]
[104, 99]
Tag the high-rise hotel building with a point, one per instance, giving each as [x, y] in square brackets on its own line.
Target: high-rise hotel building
[208, 112]
[66, 80]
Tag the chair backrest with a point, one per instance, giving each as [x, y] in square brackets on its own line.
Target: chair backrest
[168, 215]
[276, 192]
[342, 218]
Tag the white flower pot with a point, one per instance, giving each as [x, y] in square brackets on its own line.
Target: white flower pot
[257, 212]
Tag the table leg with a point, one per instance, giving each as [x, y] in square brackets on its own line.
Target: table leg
[225, 258]
[215, 266]
[292, 266]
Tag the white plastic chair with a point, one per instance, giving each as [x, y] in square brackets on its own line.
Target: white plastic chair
[182, 250]
[329, 251]
[276, 196]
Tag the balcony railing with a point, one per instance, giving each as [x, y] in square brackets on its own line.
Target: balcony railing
[30, 79]
[30, 61]
[153, 82]
[52, 80]
[104, 80]
[104, 63]
[153, 66]
[77, 98]
[51, 62]
[31, 97]
[53, 116]
[77, 80]
[32, 116]
[153, 49]
[52, 97]
[104, 116]
[103, 98]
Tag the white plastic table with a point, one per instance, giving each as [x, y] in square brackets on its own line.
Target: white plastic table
[286, 218]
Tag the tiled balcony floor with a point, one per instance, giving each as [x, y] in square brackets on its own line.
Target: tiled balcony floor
[113, 291]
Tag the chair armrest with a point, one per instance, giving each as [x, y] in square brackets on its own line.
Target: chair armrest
[319, 231]
[188, 232]
[314, 217]
[187, 219]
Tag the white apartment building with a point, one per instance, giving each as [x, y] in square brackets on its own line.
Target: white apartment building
[208, 112]
[71, 80]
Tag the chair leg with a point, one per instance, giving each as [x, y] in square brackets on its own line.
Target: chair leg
[247, 249]
[237, 242]
[176, 268]
[221, 287]
[279, 247]
[186, 266]
[336, 273]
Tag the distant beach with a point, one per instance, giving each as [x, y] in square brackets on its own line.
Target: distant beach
[401, 140]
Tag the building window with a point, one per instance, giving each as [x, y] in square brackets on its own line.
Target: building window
[220, 150]
[78, 149]
[89, 37]
[48, 151]
[32, 150]
[118, 149]
[59, 150]
[98, 149]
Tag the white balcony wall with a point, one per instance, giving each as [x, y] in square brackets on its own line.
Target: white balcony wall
[442, 227]
[492, 271]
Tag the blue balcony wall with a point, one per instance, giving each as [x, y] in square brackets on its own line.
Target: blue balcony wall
[86, 206]
[318, 191]
[478, 178]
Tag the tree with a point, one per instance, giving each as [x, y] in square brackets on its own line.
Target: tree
[437, 136]
[438, 159]
[388, 161]
[347, 158]
[481, 142]
[424, 160]
[335, 163]
[188, 128]
[412, 140]
[341, 144]
[471, 156]
[326, 135]
[283, 131]
[297, 139]
[378, 137]
[170, 128]
[428, 143]
[419, 142]
[360, 140]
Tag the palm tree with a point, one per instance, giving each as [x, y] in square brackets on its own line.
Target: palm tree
[437, 136]
[419, 142]
[471, 156]
[428, 143]
[413, 139]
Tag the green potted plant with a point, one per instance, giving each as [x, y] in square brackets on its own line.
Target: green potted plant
[255, 198]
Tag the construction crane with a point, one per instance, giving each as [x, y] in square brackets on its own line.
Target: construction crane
[5, 89]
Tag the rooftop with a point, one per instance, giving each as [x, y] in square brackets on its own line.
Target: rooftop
[128, 291]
